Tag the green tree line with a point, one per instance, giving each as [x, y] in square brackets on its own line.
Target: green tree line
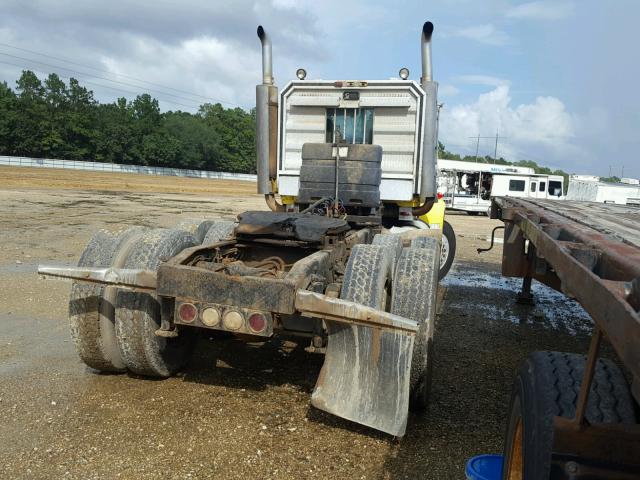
[52, 119]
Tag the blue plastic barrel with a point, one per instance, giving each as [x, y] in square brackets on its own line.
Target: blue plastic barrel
[484, 467]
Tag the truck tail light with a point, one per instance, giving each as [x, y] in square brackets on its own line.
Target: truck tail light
[257, 322]
[210, 316]
[232, 320]
[187, 312]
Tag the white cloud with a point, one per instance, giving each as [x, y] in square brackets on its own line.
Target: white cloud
[542, 131]
[207, 48]
[487, 34]
[446, 90]
[541, 10]
[216, 69]
[483, 80]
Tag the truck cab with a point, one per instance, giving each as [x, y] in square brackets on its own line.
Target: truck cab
[364, 149]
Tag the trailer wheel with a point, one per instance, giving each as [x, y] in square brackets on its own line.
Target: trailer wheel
[91, 314]
[547, 385]
[393, 244]
[217, 230]
[138, 314]
[414, 296]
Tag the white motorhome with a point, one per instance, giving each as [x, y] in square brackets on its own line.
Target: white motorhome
[469, 187]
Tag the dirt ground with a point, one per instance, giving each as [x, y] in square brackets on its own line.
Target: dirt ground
[236, 411]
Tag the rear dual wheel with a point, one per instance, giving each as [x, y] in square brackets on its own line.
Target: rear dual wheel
[376, 272]
[114, 330]
[207, 232]
[414, 297]
[91, 306]
[447, 245]
[138, 314]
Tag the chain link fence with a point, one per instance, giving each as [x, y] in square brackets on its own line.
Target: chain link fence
[119, 168]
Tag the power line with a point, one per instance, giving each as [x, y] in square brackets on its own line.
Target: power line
[99, 85]
[157, 92]
[97, 76]
[109, 72]
[495, 151]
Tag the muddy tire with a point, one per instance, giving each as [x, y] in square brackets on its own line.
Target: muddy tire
[138, 314]
[393, 244]
[547, 385]
[91, 315]
[366, 275]
[188, 225]
[217, 230]
[414, 297]
[447, 248]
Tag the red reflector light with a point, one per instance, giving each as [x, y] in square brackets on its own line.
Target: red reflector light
[187, 312]
[440, 195]
[257, 322]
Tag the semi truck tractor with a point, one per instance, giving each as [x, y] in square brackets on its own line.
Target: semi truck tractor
[346, 259]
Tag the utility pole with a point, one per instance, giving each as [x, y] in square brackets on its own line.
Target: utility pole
[495, 150]
[622, 176]
[609, 171]
[477, 147]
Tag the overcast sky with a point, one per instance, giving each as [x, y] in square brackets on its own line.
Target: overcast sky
[556, 79]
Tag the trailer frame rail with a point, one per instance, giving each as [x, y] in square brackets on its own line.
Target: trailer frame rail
[602, 272]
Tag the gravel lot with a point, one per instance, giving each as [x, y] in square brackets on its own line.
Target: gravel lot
[237, 411]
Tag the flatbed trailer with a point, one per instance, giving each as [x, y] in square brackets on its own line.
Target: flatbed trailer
[575, 417]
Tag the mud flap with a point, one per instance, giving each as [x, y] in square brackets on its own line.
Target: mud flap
[365, 376]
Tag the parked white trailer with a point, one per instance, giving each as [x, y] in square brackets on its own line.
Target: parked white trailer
[603, 192]
[469, 187]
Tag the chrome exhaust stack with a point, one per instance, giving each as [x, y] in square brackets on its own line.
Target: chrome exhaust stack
[427, 69]
[428, 185]
[267, 63]
[267, 125]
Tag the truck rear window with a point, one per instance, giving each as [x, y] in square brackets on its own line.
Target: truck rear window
[354, 124]
[516, 185]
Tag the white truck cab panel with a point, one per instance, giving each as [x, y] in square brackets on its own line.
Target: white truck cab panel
[386, 113]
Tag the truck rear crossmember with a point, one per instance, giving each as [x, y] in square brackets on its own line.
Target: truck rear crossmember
[299, 301]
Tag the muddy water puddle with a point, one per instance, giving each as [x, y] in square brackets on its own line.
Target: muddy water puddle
[492, 296]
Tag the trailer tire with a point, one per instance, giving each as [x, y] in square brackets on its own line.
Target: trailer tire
[414, 296]
[217, 230]
[91, 316]
[393, 244]
[138, 314]
[547, 385]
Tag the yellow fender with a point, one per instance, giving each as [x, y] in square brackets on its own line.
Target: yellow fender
[435, 217]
